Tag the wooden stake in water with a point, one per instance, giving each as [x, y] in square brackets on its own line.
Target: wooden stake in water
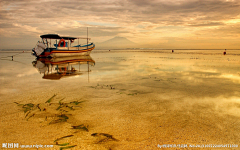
[87, 37]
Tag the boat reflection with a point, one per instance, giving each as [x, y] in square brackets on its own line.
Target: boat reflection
[59, 67]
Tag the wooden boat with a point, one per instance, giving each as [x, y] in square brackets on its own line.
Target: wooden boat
[54, 45]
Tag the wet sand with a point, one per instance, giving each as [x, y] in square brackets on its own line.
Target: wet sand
[130, 100]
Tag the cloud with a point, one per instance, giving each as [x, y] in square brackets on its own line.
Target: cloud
[7, 25]
[136, 19]
[207, 24]
[93, 31]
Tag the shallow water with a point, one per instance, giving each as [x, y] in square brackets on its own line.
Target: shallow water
[143, 99]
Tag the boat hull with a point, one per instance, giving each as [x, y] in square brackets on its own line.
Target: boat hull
[66, 53]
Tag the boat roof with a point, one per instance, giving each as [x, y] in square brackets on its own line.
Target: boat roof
[56, 36]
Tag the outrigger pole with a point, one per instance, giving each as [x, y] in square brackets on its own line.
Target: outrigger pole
[87, 37]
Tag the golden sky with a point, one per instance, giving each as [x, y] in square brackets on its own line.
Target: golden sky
[176, 24]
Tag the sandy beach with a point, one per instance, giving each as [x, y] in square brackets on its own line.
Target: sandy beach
[129, 100]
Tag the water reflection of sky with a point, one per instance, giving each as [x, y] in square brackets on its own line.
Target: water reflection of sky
[154, 95]
[199, 78]
[189, 73]
[204, 75]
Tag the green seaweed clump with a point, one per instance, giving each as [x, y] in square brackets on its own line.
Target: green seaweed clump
[61, 118]
[103, 137]
[82, 127]
[64, 144]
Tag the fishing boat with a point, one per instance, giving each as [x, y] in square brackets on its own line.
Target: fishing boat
[54, 45]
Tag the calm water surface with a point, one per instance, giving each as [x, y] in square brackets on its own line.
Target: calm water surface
[129, 99]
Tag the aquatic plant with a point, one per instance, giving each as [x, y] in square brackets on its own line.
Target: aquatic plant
[61, 148]
[132, 94]
[61, 118]
[50, 99]
[64, 144]
[63, 137]
[82, 127]
[31, 109]
[76, 102]
[103, 137]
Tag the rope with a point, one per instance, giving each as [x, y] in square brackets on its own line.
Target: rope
[18, 53]
[15, 61]
[12, 55]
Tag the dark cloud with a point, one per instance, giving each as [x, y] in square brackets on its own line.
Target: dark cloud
[204, 10]
[7, 25]
[138, 10]
[207, 24]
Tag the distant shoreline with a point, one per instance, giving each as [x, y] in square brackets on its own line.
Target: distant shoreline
[27, 50]
[161, 49]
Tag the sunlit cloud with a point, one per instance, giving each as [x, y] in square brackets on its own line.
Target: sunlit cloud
[27, 28]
